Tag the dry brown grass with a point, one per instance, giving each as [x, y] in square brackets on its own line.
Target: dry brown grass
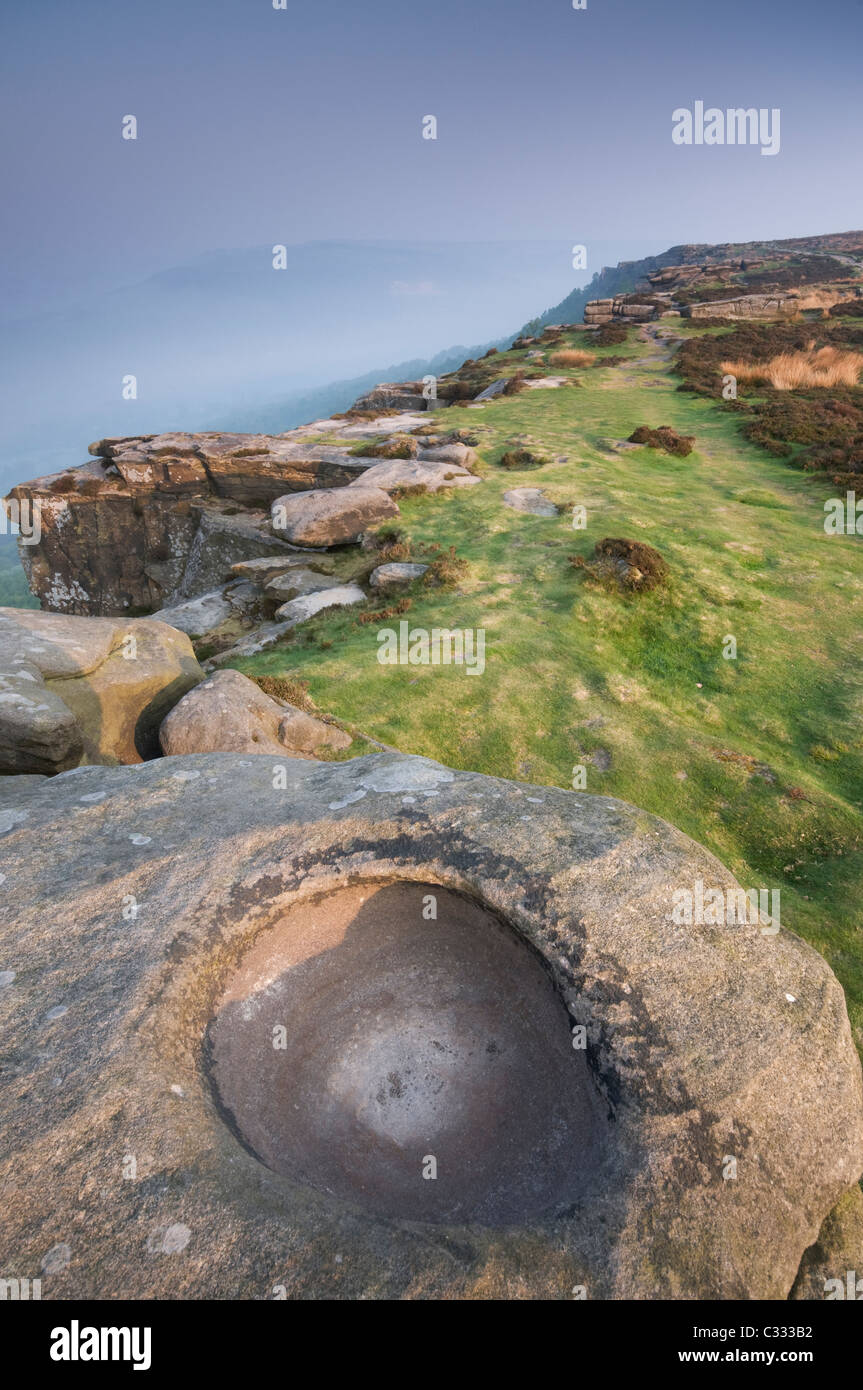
[795, 371]
[572, 357]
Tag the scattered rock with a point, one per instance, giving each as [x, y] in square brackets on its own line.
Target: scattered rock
[159, 518]
[395, 575]
[529, 499]
[393, 395]
[331, 517]
[264, 636]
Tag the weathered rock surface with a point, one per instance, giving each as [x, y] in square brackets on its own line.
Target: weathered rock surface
[694, 1048]
[831, 1267]
[228, 713]
[116, 681]
[392, 474]
[395, 575]
[299, 610]
[333, 517]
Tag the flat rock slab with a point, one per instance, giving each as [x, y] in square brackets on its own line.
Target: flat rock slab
[529, 499]
[133, 901]
[267, 567]
[401, 423]
[299, 610]
[392, 474]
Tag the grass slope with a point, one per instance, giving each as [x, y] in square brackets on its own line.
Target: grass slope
[758, 758]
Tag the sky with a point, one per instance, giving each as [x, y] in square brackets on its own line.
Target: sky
[259, 126]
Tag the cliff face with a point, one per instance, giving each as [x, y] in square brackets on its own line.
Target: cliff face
[156, 518]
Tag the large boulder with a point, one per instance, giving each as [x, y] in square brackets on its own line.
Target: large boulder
[228, 713]
[38, 732]
[100, 688]
[257, 1003]
[333, 517]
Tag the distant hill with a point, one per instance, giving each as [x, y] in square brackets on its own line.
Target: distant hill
[625, 276]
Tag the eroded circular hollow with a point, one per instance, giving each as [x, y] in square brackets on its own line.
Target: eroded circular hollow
[363, 1045]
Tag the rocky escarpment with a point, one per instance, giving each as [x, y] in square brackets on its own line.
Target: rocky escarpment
[159, 518]
[153, 520]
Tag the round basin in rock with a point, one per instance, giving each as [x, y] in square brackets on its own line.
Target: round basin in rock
[421, 1067]
[221, 1005]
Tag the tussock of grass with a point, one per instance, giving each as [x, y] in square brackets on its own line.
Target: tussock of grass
[519, 459]
[382, 615]
[794, 371]
[446, 571]
[572, 357]
[663, 438]
[283, 688]
[631, 566]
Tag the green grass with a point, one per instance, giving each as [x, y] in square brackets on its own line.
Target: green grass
[758, 758]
